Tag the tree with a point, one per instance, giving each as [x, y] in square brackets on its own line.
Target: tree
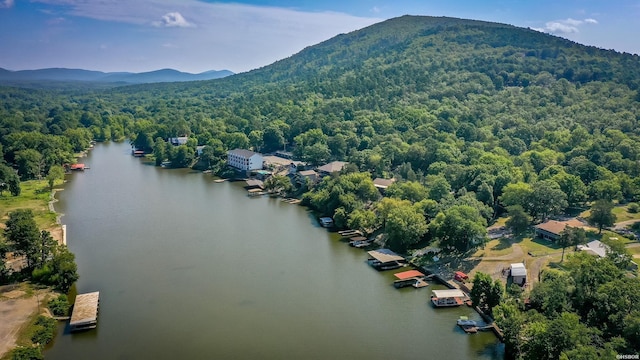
[605, 189]
[27, 353]
[588, 274]
[571, 236]
[316, 154]
[64, 269]
[546, 199]
[46, 246]
[272, 138]
[278, 184]
[516, 194]
[518, 220]
[460, 227]
[4, 273]
[486, 293]
[438, 187]
[617, 252]
[9, 180]
[511, 320]
[55, 173]
[405, 226]
[143, 141]
[552, 295]
[159, 150]
[407, 190]
[22, 233]
[363, 220]
[602, 214]
[183, 157]
[29, 163]
[573, 186]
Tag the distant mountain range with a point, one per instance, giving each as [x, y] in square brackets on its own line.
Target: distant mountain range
[73, 75]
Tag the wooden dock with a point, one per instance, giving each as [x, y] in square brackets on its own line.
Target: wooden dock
[85, 312]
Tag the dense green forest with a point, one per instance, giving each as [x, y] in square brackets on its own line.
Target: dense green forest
[474, 119]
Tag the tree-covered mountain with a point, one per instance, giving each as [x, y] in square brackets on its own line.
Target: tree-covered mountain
[71, 75]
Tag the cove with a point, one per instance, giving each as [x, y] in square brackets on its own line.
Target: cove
[192, 269]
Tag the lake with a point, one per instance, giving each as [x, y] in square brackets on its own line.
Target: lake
[192, 269]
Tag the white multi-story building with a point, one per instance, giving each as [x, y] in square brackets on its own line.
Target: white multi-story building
[242, 159]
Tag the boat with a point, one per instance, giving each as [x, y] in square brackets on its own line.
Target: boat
[464, 321]
[362, 244]
[382, 266]
[326, 221]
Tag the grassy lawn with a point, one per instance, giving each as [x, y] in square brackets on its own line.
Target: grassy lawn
[501, 221]
[634, 250]
[620, 212]
[539, 247]
[34, 195]
[496, 247]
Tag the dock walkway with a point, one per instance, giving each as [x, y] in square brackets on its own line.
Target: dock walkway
[85, 312]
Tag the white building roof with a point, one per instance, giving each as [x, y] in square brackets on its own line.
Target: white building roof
[518, 270]
[453, 293]
[243, 153]
[595, 246]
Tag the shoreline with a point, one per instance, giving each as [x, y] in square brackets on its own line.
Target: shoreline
[18, 298]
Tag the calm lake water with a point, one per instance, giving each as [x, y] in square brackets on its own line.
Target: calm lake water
[192, 269]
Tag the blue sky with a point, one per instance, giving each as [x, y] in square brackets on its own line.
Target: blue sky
[196, 36]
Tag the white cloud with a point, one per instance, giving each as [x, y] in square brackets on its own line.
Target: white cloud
[567, 26]
[172, 19]
[572, 22]
[560, 27]
[230, 36]
[5, 4]
[375, 10]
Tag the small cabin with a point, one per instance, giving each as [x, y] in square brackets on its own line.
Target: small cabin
[518, 273]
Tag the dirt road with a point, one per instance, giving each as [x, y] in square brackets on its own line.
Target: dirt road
[16, 307]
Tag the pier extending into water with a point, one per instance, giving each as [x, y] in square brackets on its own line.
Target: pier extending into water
[85, 312]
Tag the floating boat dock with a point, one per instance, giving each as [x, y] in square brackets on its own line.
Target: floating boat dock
[85, 312]
[349, 233]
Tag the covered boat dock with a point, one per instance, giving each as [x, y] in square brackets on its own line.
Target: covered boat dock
[85, 312]
[451, 297]
[385, 259]
[410, 278]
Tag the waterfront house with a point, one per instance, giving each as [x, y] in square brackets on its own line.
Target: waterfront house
[245, 160]
[180, 140]
[382, 184]
[595, 247]
[302, 176]
[552, 229]
[518, 273]
[77, 167]
[330, 168]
